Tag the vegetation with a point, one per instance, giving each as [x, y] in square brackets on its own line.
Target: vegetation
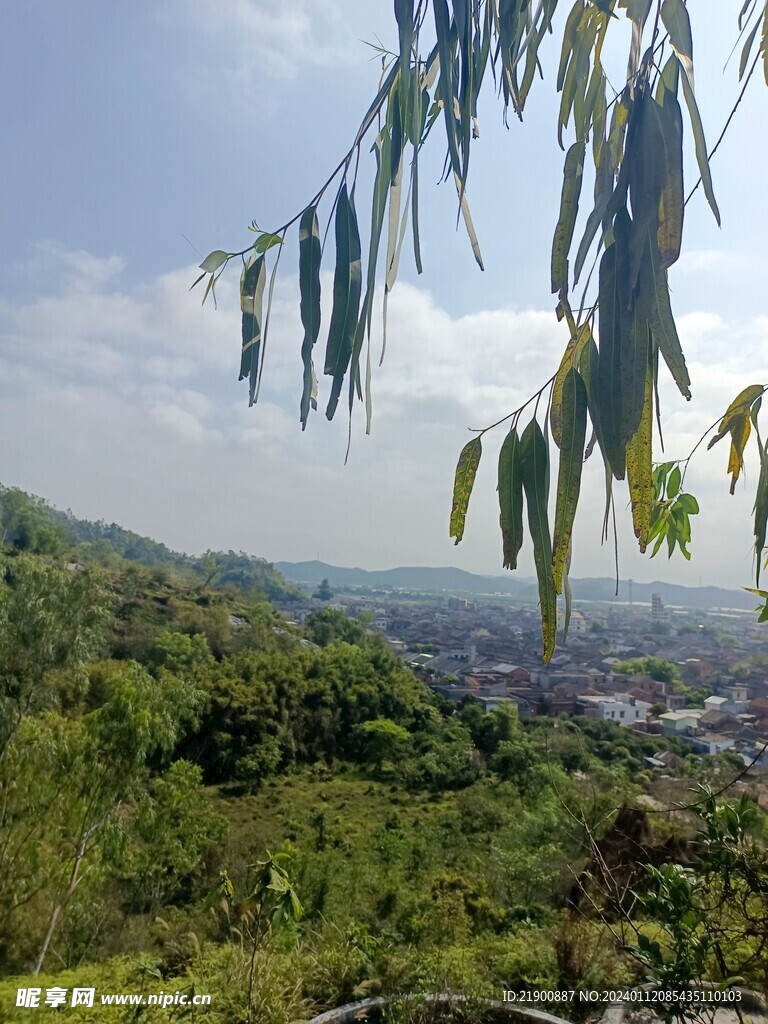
[28, 523]
[285, 818]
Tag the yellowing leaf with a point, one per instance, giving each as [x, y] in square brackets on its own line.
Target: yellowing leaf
[640, 469]
[571, 358]
[466, 471]
[740, 431]
[737, 423]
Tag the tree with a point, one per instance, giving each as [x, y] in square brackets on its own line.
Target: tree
[323, 592]
[382, 741]
[660, 669]
[603, 394]
[50, 619]
[329, 624]
[64, 786]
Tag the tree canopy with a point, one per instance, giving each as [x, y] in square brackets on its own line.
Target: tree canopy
[603, 396]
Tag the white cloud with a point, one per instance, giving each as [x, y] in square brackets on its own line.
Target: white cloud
[123, 403]
[261, 38]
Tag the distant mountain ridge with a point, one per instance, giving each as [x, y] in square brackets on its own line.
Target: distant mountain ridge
[459, 581]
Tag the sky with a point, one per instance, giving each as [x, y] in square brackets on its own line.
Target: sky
[139, 137]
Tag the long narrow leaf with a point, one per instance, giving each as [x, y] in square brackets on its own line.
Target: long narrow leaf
[466, 471]
[569, 470]
[573, 170]
[510, 499]
[534, 469]
[309, 287]
[640, 468]
[700, 144]
[347, 285]
[252, 282]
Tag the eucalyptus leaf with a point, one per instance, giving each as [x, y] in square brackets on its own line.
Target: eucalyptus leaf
[569, 207]
[510, 499]
[700, 144]
[534, 469]
[466, 471]
[674, 15]
[213, 261]
[309, 287]
[252, 283]
[640, 469]
[347, 286]
[574, 413]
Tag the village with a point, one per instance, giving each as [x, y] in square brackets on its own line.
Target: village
[490, 651]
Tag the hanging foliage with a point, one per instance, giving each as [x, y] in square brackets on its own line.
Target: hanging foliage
[631, 141]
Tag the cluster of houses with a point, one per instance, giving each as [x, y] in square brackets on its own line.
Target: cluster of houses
[492, 653]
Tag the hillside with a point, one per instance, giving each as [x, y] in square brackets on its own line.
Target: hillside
[29, 523]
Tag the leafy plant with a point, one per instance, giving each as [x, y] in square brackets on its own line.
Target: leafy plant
[672, 509]
[272, 902]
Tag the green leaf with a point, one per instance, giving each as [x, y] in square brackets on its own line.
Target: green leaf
[654, 305]
[589, 363]
[577, 75]
[446, 49]
[624, 342]
[608, 396]
[404, 17]
[700, 144]
[602, 193]
[747, 49]
[647, 163]
[637, 12]
[567, 593]
[466, 471]
[574, 412]
[635, 344]
[463, 24]
[673, 483]
[267, 241]
[674, 15]
[689, 504]
[569, 38]
[640, 469]
[347, 285]
[213, 261]
[309, 287]
[569, 207]
[252, 281]
[668, 79]
[534, 469]
[671, 204]
[510, 499]
[761, 513]
[381, 149]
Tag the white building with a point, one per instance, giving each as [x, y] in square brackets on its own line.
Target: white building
[619, 708]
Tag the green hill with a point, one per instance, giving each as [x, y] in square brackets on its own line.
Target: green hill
[29, 523]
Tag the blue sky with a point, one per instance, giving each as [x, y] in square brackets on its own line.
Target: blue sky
[145, 123]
